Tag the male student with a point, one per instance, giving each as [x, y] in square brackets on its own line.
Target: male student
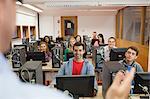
[94, 39]
[130, 59]
[10, 86]
[110, 68]
[77, 65]
[111, 44]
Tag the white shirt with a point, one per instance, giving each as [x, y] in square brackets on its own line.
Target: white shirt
[12, 88]
[107, 53]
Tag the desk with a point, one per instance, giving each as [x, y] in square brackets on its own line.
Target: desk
[49, 73]
[48, 67]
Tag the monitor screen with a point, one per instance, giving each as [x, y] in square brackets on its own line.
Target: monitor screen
[59, 39]
[36, 56]
[141, 82]
[78, 85]
[23, 45]
[117, 54]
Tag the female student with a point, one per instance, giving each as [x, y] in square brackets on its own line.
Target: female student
[44, 48]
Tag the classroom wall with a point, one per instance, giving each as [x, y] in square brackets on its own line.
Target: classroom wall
[101, 24]
[105, 24]
[25, 17]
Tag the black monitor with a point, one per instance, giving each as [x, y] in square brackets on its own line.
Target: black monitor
[141, 83]
[69, 55]
[35, 56]
[23, 45]
[59, 39]
[117, 54]
[77, 85]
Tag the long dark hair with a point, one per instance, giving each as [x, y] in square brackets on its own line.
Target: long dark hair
[78, 36]
[45, 39]
[101, 35]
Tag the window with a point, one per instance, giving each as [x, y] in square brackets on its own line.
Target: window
[132, 23]
[147, 27]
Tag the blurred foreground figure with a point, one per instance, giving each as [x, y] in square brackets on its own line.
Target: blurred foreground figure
[121, 85]
[10, 86]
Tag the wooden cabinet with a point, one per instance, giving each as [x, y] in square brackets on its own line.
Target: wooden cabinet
[25, 31]
[32, 32]
[18, 30]
[17, 33]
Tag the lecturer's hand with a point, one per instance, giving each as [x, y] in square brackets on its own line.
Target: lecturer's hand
[121, 85]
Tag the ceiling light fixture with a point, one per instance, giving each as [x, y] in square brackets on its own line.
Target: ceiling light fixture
[70, 4]
[29, 6]
[96, 10]
[32, 7]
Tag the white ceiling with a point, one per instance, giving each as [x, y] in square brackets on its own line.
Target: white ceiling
[83, 7]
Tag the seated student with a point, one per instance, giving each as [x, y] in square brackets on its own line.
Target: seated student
[44, 48]
[70, 47]
[99, 47]
[77, 65]
[49, 42]
[78, 38]
[111, 44]
[130, 57]
[94, 38]
[100, 39]
[110, 68]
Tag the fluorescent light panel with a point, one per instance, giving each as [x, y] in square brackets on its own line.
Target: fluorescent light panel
[29, 6]
[70, 4]
[32, 7]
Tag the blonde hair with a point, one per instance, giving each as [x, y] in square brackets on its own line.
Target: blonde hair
[42, 42]
[70, 40]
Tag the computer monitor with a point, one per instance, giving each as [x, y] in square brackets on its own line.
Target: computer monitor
[117, 54]
[23, 45]
[77, 85]
[69, 55]
[35, 56]
[141, 83]
[59, 39]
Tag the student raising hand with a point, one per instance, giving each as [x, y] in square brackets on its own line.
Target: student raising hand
[121, 85]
